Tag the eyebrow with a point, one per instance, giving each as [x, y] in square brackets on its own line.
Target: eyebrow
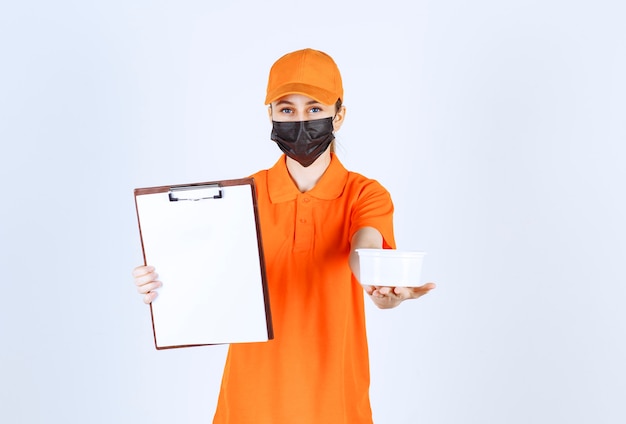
[287, 102]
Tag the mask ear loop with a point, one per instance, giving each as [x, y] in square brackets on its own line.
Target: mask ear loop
[333, 144]
[333, 122]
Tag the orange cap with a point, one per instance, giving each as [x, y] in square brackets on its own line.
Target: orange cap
[309, 72]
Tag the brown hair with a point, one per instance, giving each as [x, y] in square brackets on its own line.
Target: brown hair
[338, 105]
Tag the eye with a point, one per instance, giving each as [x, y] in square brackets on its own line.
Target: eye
[315, 109]
[286, 110]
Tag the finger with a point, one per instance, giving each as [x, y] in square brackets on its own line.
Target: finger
[147, 288]
[376, 292]
[142, 270]
[402, 292]
[369, 289]
[386, 291]
[422, 290]
[426, 287]
[149, 297]
[146, 279]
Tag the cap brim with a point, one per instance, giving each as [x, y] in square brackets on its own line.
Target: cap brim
[316, 93]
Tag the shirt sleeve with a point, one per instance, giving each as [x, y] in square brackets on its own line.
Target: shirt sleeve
[374, 208]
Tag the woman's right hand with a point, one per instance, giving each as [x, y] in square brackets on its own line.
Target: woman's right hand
[146, 282]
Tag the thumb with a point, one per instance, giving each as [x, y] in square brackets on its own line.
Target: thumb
[422, 290]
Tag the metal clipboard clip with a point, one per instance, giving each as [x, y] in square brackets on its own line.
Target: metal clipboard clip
[196, 193]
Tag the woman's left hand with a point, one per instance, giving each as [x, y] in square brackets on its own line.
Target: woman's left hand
[389, 297]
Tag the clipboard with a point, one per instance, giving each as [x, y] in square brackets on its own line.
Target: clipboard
[205, 243]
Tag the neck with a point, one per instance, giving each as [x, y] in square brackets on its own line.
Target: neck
[306, 178]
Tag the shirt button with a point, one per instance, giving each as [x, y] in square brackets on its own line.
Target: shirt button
[303, 221]
[306, 200]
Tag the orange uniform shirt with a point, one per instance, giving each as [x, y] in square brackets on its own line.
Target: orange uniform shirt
[316, 370]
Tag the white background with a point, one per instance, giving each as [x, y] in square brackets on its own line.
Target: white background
[498, 127]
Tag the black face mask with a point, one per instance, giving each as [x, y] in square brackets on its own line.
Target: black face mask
[303, 141]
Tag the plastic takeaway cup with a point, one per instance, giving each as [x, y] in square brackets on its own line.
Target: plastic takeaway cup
[390, 267]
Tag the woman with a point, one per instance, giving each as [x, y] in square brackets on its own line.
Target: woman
[313, 215]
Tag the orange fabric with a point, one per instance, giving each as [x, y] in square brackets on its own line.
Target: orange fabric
[309, 72]
[316, 370]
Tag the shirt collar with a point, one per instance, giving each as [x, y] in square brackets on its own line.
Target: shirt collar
[330, 186]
